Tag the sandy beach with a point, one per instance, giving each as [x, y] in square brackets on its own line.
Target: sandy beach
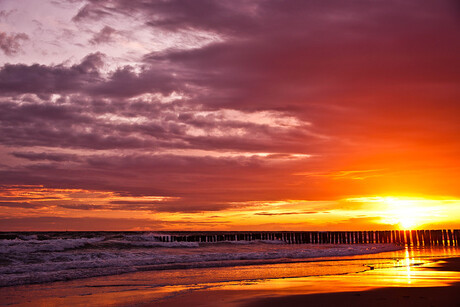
[395, 296]
[417, 277]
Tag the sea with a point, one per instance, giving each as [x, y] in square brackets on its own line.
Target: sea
[43, 257]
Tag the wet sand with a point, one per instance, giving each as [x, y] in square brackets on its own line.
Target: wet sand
[417, 277]
[445, 296]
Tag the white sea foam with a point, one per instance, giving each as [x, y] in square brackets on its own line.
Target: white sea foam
[33, 245]
[25, 260]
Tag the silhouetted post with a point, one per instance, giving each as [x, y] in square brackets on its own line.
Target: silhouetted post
[414, 237]
[451, 241]
[421, 237]
[408, 240]
[427, 238]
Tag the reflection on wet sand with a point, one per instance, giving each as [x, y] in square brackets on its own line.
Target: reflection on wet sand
[412, 267]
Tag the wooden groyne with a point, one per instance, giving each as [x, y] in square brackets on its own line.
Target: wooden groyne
[443, 237]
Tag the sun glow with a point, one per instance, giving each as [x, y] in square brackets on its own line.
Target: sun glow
[410, 212]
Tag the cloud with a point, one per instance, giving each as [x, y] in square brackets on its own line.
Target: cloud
[336, 91]
[47, 223]
[41, 79]
[10, 44]
[38, 156]
[287, 213]
[106, 35]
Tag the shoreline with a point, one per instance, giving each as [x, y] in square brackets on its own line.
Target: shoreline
[389, 296]
[434, 283]
[268, 285]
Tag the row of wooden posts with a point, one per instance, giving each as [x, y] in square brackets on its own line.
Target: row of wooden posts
[445, 237]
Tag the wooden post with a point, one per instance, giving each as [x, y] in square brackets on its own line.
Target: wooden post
[414, 237]
[408, 241]
[421, 237]
[451, 239]
[427, 238]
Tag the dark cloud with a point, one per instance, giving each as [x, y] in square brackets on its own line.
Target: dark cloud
[288, 213]
[38, 156]
[25, 205]
[47, 223]
[106, 35]
[86, 78]
[38, 79]
[10, 44]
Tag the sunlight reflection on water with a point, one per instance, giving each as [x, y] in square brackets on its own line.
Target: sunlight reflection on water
[411, 267]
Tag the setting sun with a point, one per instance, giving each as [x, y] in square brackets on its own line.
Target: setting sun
[406, 212]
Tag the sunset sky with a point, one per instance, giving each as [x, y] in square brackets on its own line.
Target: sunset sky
[229, 115]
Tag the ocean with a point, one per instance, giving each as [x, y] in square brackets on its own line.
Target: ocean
[41, 257]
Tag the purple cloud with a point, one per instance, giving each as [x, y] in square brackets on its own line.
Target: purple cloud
[10, 44]
[106, 35]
